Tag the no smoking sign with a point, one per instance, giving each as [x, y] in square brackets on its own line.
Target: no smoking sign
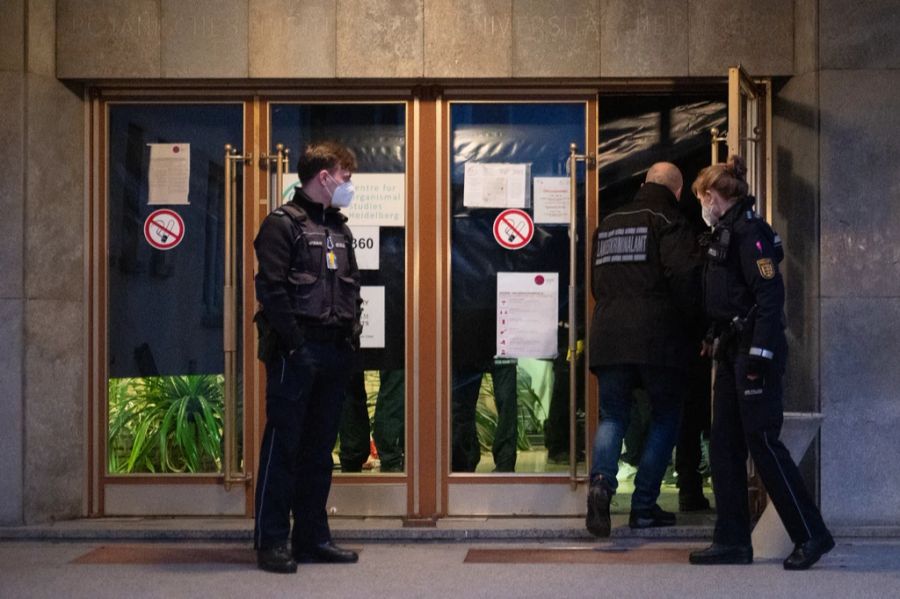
[513, 229]
[164, 229]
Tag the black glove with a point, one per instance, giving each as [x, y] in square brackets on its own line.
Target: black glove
[757, 369]
[355, 334]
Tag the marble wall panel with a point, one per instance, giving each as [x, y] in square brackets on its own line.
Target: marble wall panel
[468, 38]
[758, 34]
[12, 32]
[860, 229]
[859, 35]
[204, 38]
[556, 38]
[380, 38]
[862, 412]
[11, 421]
[54, 207]
[806, 19]
[796, 219]
[292, 38]
[107, 39]
[42, 37]
[12, 190]
[54, 410]
[644, 38]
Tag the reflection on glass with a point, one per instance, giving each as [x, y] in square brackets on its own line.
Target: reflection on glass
[372, 435]
[166, 424]
[510, 414]
[165, 310]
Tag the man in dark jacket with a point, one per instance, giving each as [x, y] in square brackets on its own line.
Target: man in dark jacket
[308, 288]
[646, 282]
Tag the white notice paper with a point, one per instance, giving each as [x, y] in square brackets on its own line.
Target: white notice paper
[372, 316]
[527, 309]
[379, 201]
[169, 174]
[497, 185]
[551, 200]
[367, 245]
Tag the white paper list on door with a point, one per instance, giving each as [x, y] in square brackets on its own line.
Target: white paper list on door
[372, 316]
[527, 314]
[551, 200]
[497, 185]
[169, 176]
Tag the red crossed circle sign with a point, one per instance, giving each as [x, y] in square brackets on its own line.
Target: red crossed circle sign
[513, 229]
[164, 229]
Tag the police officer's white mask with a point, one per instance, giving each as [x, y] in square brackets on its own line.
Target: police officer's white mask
[708, 217]
[342, 194]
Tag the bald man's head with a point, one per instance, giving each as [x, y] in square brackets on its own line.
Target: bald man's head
[667, 174]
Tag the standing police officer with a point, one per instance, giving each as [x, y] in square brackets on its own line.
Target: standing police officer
[308, 289]
[744, 299]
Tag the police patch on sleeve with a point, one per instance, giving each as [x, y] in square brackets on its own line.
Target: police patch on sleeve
[766, 268]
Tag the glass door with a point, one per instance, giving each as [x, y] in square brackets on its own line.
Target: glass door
[370, 455]
[508, 205]
[749, 115]
[171, 272]
[748, 132]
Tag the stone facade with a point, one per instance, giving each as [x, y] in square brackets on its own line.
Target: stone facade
[836, 178]
[42, 358]
[442, 39]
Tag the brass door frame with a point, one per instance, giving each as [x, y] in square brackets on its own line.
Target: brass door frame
[516, 482]
[427, 478]
[100, 482]
[380, 487]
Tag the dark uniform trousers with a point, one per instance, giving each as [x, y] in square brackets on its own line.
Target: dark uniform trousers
[742, 422]
[466, 452]
[304, 397]
[387, 429]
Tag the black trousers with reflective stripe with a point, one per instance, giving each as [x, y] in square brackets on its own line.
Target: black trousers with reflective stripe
[753, 422]
[304, 397]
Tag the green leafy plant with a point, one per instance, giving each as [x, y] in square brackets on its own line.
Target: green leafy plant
[166, 424]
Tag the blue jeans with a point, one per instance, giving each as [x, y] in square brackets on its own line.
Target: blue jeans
[665, 388]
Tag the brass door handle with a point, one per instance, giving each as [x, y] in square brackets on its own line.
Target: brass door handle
[233, 473]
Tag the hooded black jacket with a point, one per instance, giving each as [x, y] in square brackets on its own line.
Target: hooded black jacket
[645, 278]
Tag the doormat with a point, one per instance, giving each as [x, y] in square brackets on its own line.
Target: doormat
[169, 554]
[581, 555]
[160, 554]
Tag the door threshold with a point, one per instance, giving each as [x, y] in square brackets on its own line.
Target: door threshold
[454, 528]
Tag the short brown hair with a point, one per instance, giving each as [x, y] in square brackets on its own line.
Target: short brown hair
[729, 179]
[324, 155]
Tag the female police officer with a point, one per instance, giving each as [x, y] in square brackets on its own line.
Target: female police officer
[744, 299]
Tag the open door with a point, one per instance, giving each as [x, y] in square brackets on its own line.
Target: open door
[749, 133]
[748, 136]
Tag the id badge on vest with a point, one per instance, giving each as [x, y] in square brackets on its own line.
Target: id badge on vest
[330, 256]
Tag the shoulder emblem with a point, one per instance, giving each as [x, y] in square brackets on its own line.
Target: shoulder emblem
[766, 268]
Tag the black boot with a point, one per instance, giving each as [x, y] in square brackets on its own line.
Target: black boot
[718, 553]
[692, 502]
[807, 553]
[597, 520]
[325, 553]
[651, 518]
[276, 559]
